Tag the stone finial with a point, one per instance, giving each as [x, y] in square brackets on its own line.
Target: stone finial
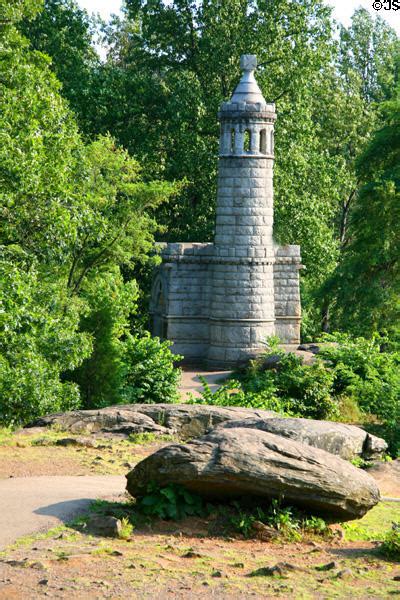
[247, 89]
[248, 62]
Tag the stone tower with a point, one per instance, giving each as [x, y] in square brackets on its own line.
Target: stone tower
[218, 302]
[242, 309]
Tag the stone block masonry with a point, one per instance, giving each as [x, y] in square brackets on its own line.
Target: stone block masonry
[219, 302]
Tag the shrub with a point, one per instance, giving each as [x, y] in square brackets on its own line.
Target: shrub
[126, 529]
[390, 432]
[232, 393]
[288, 521]
[290, 388]
[391, 542]
[39, 341]
[149, 372]
[301, 389]
[111, 301]
[365, 372]
[170, 502]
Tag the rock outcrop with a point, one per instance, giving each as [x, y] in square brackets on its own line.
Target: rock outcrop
[346, 441]
[190, 421]
[183, 420]
[237, 462]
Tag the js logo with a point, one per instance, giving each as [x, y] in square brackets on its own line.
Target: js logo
[386, 5]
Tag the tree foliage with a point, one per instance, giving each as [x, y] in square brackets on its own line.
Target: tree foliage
[39, 339]
[149, 374]
[367, 281]
[171, 64]
[72, 215]
[79, 215]
[65, 32]
[369, 48]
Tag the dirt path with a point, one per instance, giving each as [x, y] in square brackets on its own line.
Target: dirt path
[191, 384]
[32, 504]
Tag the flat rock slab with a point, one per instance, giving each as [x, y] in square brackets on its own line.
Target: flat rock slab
[194, 420]
[32, 504]
[229, 463]
[184, 420]
[346, 441]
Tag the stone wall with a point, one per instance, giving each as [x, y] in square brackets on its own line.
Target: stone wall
[287, 293]
[184, 277]
[182, 310]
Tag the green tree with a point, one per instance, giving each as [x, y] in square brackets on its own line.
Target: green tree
[39, 340]
[71, 216]
[115, 208]
[367, 281]
[65, 32]
[369, 47]
[39, 328]
[365, 71]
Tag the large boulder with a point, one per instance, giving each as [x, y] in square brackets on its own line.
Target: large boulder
[183, 420]
[346, 441]
[231, 463]
[193, 420]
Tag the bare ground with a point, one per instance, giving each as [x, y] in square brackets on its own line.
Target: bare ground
[67, 562]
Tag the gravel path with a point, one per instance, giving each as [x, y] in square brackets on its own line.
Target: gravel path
[32, 504]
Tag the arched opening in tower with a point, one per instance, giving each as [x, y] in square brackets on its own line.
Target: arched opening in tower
[233, 134]
[263, 141]
[247, 141]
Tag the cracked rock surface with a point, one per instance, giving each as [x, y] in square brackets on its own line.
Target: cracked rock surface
[237, 462]
[194, 420]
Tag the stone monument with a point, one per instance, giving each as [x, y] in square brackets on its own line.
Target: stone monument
[218, 302]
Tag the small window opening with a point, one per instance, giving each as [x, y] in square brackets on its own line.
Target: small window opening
[272, 142]
[232, 140]
[263, 141]
[247, 141]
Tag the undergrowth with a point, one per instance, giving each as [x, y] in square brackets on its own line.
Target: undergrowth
[173, 502]
[391, 542]
[291, 523]
[350, 380]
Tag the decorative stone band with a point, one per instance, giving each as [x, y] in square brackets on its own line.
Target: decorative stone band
[225, 320]
[287, 258]
[288, 318]
[235, 321]
[218, 260]
[242, 110]
[249, 106]
[247, 155]
[186, 318]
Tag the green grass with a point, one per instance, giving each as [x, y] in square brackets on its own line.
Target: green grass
[69, 534]
[149, 438]
[48, 437]
[375, 524]
[6, 436]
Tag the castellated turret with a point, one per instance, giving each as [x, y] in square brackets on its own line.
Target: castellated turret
[219, 302]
